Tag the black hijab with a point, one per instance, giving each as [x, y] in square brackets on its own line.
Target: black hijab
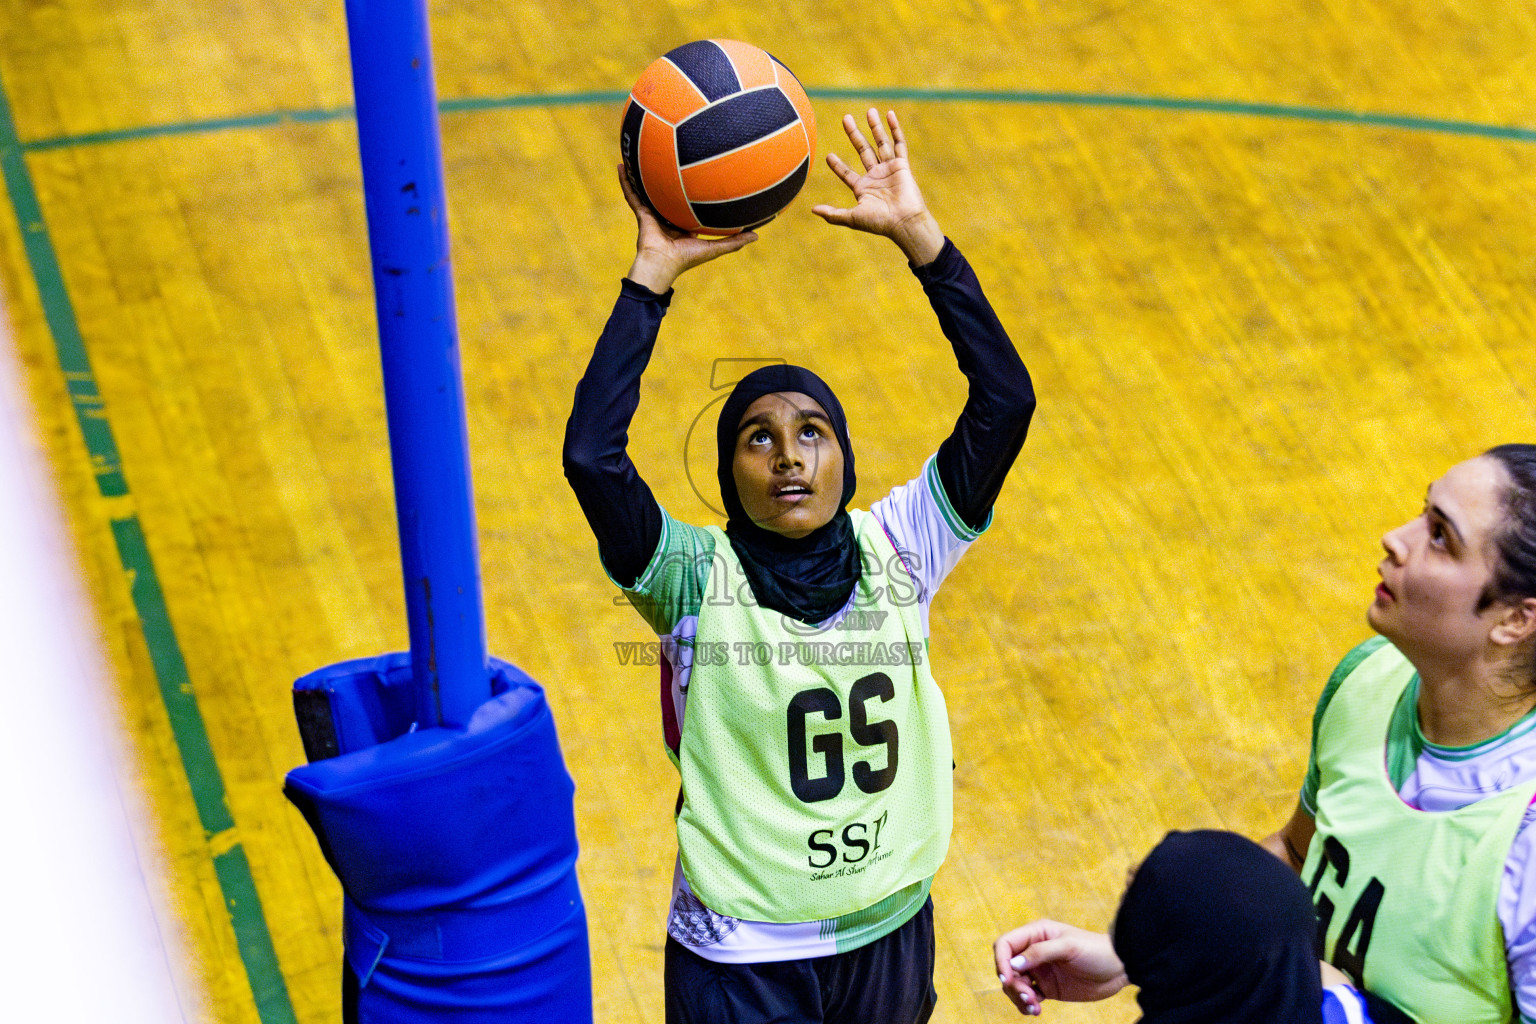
[808, 579]
[1215, 930]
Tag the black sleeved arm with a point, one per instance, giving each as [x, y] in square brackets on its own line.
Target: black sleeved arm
[972, 461]
[619, 506]
[978, 453]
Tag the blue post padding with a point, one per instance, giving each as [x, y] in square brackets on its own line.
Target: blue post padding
[371, 700]
[456, 849]
[401, 152]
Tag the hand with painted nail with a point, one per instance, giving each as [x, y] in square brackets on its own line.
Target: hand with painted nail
[1050, 960]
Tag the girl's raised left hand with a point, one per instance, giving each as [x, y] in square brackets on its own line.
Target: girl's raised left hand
[888, 201]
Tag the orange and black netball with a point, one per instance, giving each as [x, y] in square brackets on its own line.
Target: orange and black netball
[717, 137]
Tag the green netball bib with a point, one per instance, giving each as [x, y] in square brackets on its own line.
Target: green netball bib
[815, 763]
[1407, 900]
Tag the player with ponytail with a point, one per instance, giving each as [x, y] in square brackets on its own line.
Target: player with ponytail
[1415, 832]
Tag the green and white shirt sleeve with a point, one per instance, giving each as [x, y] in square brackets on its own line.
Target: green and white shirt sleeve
[672, 585]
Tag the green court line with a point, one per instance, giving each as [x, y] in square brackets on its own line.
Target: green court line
[267, 985]
[60, 315]
[1075, 99]
[252, 937]
[221, 124]
[171, 673]
[1204, 106]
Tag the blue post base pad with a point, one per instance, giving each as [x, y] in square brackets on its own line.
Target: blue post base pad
[456, 849]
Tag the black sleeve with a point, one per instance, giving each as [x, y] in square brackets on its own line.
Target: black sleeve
[618, 505]
[1383, 1012]
[976, 456]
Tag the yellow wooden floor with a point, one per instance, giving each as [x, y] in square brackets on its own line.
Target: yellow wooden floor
[1256, 337]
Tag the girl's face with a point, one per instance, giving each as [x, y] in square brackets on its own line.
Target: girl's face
[788, 466]
[1437, 566]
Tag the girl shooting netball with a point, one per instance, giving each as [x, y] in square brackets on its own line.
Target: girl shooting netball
[815, 804]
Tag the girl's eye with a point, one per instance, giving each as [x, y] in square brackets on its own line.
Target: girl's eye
[1436, 532]
[809, 431]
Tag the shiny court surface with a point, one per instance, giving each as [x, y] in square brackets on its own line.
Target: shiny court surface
[1271, 269]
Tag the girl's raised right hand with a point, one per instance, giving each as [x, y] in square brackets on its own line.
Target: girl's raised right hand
[662, 253]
